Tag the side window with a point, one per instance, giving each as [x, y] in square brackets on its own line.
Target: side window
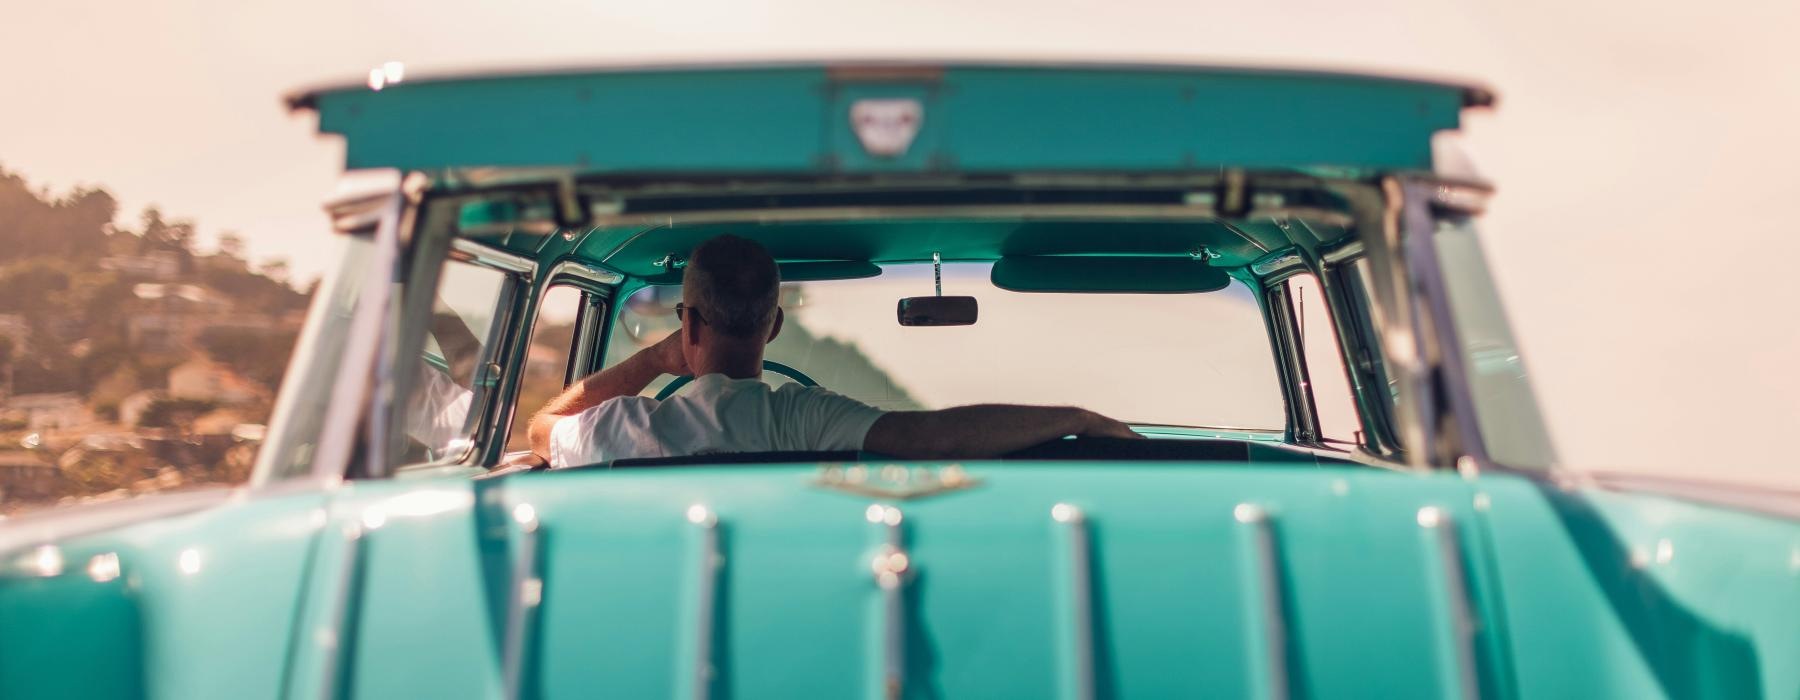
[1505, 404]
[546, 360]
[1324, 361]
[1380, 384]
[452, 382]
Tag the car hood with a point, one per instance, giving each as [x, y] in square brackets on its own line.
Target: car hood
[1029, 580]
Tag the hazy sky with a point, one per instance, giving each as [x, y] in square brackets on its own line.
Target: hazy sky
[1636, 146]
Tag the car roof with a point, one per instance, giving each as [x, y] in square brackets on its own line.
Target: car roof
[976, 117]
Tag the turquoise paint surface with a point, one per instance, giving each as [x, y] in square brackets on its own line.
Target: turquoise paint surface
[221, 628]
[976, 119]
[1571, 593]
[1630, 595]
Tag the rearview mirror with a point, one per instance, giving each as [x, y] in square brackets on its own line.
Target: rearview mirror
[937, 311]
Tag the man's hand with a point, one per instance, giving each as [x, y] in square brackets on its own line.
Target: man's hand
[1097, 425]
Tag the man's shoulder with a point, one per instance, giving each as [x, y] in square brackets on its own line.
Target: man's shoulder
[618, 405]
[802, 392]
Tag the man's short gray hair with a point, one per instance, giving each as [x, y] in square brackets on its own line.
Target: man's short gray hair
[735, 284]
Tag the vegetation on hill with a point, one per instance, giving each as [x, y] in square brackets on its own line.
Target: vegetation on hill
[76, 308]
[164, 348]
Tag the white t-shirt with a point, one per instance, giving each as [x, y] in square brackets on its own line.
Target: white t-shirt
[437, 411]
[714, 415]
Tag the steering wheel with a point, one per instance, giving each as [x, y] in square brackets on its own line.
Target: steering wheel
[768, 366]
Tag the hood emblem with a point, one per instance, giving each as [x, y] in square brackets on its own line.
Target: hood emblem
[894, 481]
[886, 127]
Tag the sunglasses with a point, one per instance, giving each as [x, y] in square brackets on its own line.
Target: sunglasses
[681, 311]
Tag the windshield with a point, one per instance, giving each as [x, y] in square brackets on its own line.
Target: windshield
[1161, 359]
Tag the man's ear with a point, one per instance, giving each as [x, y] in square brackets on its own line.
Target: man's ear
[775, 330]
[690, 333]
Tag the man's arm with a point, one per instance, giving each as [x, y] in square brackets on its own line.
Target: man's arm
[624, 379]
[974, 432]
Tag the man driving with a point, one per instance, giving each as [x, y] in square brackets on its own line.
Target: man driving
[729, 314]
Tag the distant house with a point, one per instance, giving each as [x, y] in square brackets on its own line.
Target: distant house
[131, 408]
[184, 294]
[202, 379]
[14, 329]
[221, 421]
[159, 265]
[157, 332]
[43, 412]
[26, 476]
[175, 316]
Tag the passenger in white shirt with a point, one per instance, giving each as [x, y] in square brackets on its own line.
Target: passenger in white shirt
[728, 314]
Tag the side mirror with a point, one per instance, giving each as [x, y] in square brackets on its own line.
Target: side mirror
[937, 311]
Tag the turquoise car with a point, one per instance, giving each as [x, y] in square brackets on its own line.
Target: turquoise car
[1348, 490]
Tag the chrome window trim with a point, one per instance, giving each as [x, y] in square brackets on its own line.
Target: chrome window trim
[586, 273]
[1285, 260]
[352, 391]
[585, 356]
[1290, 363]
[490, 441]
[488, 256]
[1393, 318]
[1419, 242]
[519, 272]
[1342, 252]
[1360, 350]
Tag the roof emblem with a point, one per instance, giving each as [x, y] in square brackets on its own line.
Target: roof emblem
[886, 126]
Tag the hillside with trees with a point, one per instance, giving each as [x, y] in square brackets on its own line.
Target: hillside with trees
[128, 355]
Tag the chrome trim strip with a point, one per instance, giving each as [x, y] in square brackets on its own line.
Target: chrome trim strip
[1456, 670]
[705, 598]
[339, 621]
[523, 596]
[1277, 261]
[892, 567]
[351, 388]
[467, 250]
[361, 198]
[21, 532]
[1438, 322]
[1393, 318]
[1346, 251]
[570, 268]
[1078, 678]
[1261, 579]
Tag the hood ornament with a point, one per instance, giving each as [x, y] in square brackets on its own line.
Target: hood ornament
[894, 481]
[886, 126]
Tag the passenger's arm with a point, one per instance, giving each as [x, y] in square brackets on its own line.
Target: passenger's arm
[974, 432]
[624, 379]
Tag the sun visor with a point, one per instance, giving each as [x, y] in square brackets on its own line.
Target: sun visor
[1109, 274]
[824, 270]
